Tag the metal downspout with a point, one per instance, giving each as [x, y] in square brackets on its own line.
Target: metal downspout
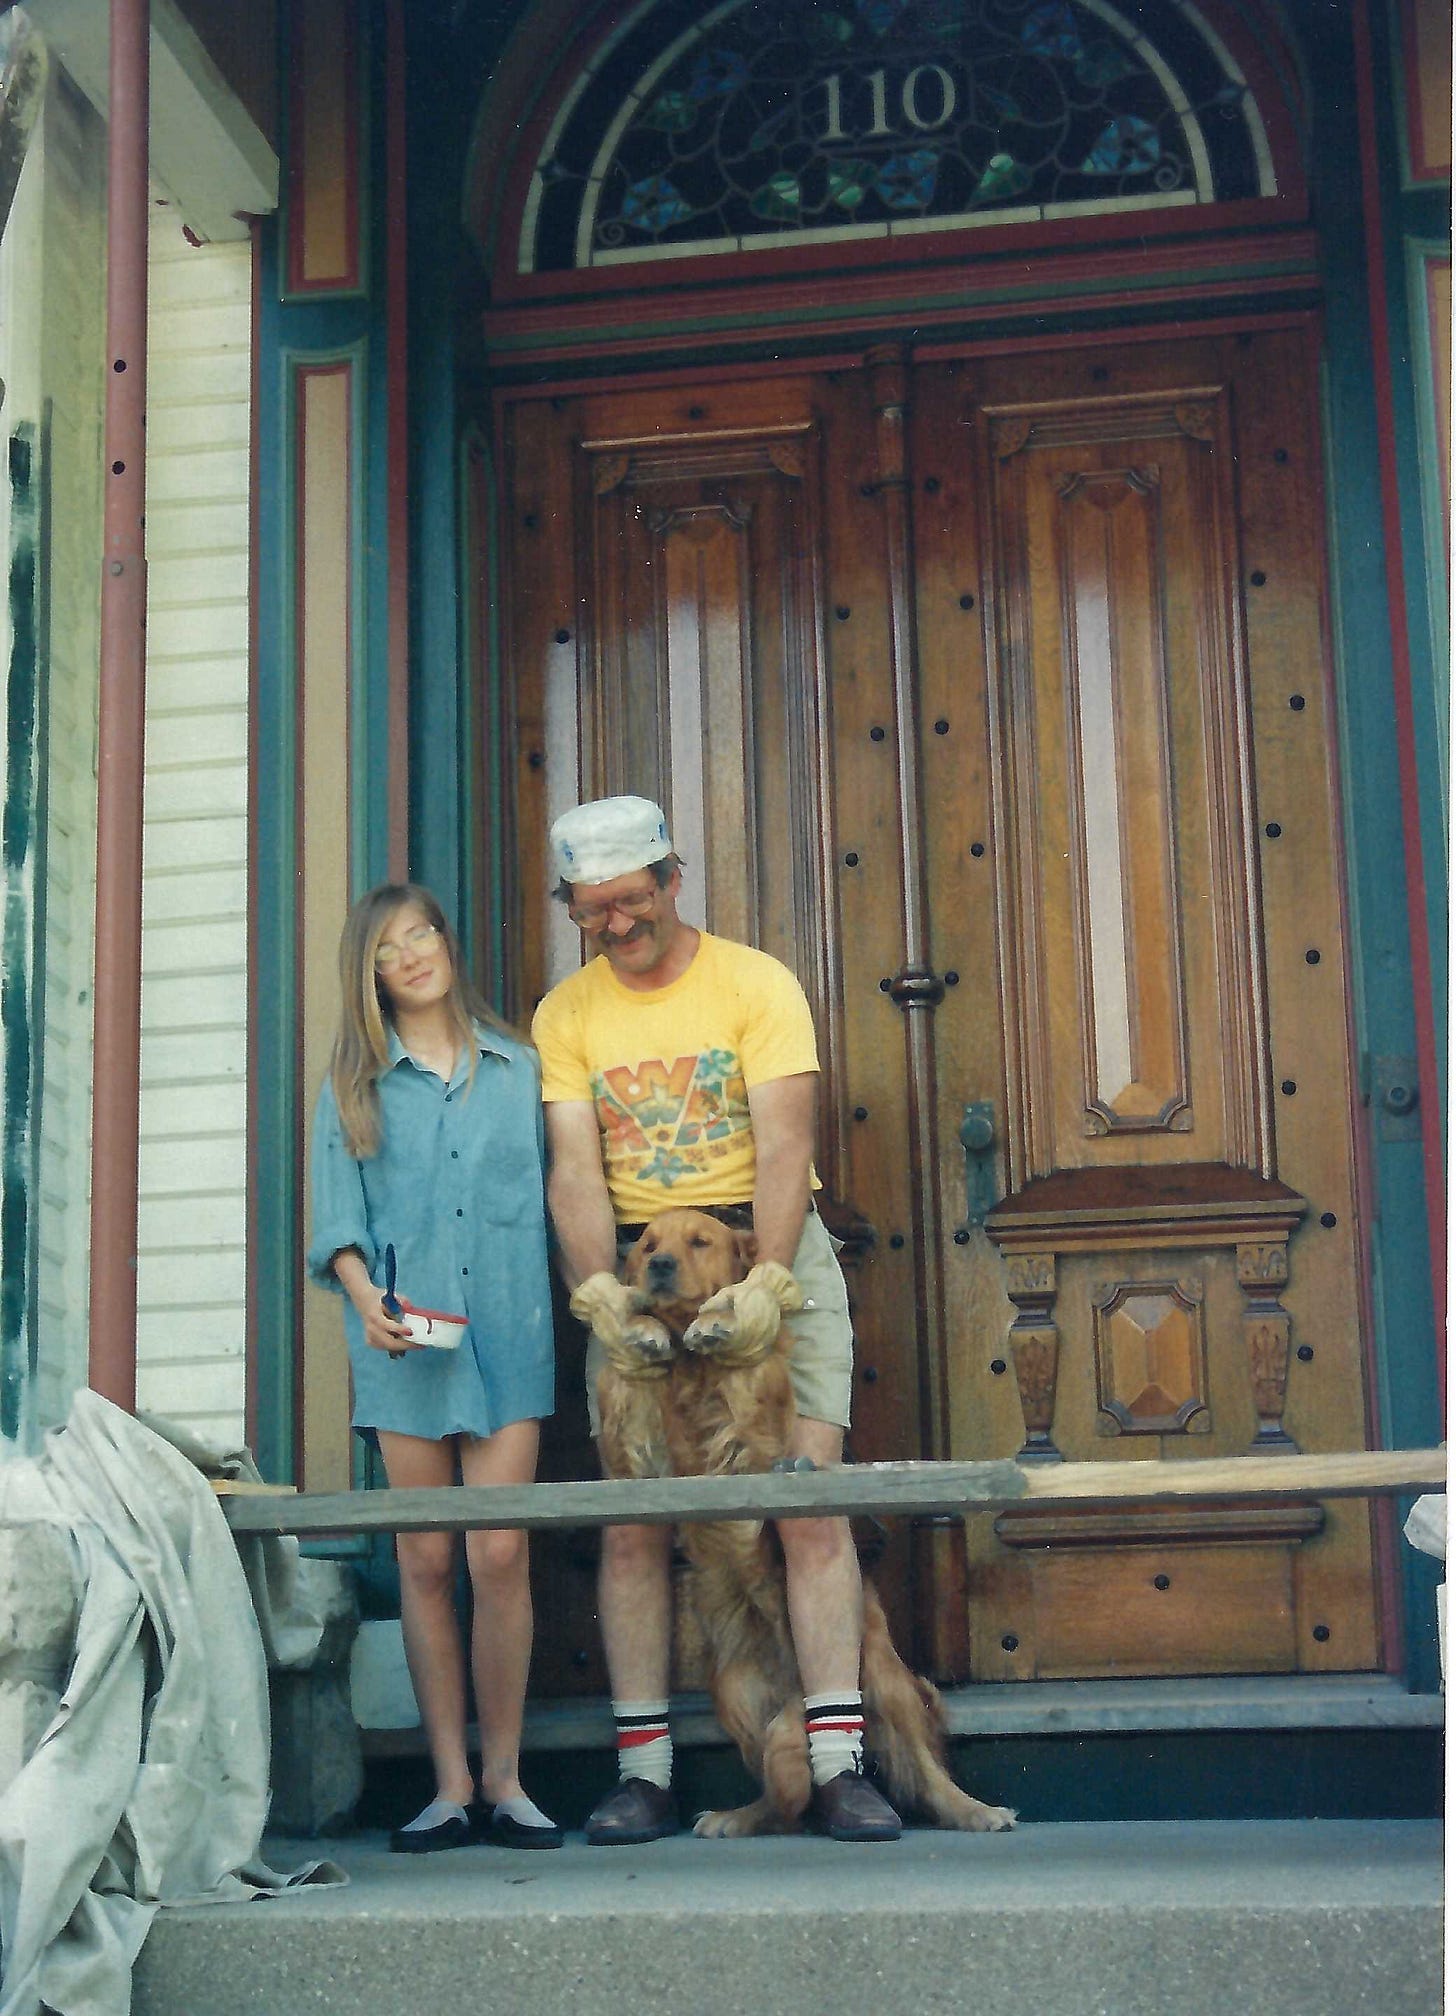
[116, 1099]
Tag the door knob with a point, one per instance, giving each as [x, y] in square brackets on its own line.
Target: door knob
[978, 1138]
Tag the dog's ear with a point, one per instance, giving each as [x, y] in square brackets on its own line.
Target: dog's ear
[747, 1244]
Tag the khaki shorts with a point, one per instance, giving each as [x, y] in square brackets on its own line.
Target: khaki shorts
[821, 1365]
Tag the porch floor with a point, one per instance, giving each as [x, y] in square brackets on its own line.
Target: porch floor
[1293, 1918]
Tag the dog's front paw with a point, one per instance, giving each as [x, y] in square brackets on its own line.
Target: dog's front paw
[640, 1349]
[998, 1820]
[713, 1325]
[733, 1825]
[725, 1339]
[647, 1340]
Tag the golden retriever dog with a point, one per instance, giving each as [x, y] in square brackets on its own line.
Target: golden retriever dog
[713, 1419]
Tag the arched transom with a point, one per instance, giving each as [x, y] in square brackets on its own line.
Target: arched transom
[750, 126]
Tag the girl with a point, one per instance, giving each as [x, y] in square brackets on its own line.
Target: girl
[427, 1140]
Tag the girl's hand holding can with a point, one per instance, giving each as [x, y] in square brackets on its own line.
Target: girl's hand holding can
[383, 1332]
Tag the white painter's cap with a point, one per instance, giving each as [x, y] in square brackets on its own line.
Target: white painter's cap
[608, 837]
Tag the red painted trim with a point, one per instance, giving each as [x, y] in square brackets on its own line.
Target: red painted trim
[300, 82]
[873, 323]
[855, 259]
[1395, 589]
[497, 227]
[121, 725]
[253, 1178]
[852, 358]
[762, 296]
[397, 442]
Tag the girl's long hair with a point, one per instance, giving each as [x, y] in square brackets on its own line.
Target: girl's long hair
[361, 1047]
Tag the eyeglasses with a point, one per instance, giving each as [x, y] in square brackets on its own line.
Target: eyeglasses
[593, 916]
[415, 940]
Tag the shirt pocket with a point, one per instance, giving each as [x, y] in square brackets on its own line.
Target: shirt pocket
[504, 1154]
[507, 1189]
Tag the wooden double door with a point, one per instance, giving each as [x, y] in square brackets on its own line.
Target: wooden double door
[991, 694]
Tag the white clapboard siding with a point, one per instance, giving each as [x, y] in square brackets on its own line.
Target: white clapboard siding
[67, 311]
[194, 1145]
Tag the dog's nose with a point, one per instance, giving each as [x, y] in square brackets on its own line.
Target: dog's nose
[661, 1268]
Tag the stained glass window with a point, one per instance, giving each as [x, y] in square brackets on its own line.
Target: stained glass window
[748, 124]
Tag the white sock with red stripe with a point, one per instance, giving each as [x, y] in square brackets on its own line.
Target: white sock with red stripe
[644, 1741]
[834, 1724]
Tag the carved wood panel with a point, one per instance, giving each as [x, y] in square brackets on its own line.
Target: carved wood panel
[1152, 1374]
[1123, 721]
[702, 683]
[1120, 783]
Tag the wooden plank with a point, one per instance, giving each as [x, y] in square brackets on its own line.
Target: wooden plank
[882, 1488]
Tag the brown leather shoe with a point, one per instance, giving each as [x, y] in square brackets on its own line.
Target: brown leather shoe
[849, 1808]
[632, 1812]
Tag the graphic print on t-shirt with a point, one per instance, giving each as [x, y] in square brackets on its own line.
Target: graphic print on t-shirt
[661, 1123]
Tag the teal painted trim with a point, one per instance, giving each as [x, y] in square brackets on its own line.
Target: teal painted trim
[439, 695]
[442, 702]
[495, 892]
[475, 934]
[370, 753]
[1405, 1342]
[480, 562]
[315, 335]
[1419, 255]
[1429, 669]
[295, 1100]
[369, 176]
[276, 1232]
[368, 619]
[20, 1008]
[312, 329]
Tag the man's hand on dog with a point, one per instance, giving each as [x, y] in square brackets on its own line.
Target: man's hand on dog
[738, 1325]
[636, 1344]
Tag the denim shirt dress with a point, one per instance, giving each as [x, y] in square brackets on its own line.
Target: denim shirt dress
[457, 1188]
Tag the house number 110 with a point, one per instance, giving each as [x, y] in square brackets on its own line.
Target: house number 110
[927, 90]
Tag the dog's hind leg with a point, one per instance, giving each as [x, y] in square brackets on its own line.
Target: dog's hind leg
[904, 1727]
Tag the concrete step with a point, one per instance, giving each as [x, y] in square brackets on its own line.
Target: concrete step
[1172, 1918]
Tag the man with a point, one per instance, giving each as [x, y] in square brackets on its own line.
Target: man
[681, 1069]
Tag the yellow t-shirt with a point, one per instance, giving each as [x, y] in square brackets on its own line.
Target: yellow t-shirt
[669, 1071]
